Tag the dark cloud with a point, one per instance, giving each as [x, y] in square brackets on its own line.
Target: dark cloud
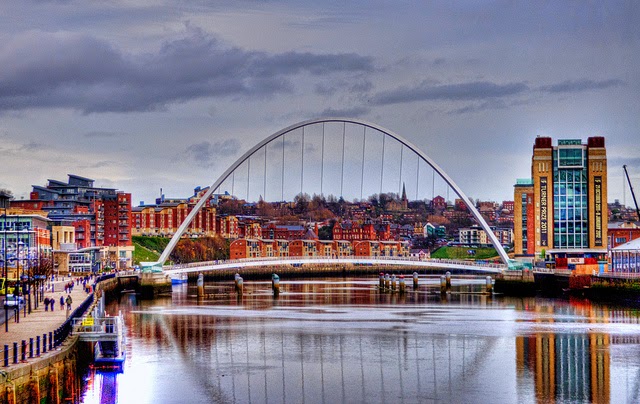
[488, 105]
[358, 86]
[102, 135]
[620, 161]
[354, 112]
[426, 91]
[206, 152]
[103, 164]
[574, 86]
[42, 70]
[33, 146]
[291, 144]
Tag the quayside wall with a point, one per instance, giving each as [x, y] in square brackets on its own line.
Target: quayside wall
[52, 376]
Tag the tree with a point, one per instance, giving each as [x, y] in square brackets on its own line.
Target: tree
[325, 233]
[301, 203]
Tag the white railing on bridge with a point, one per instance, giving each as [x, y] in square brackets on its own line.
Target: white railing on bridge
[344, 258]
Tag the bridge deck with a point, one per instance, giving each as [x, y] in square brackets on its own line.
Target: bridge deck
[412, 262]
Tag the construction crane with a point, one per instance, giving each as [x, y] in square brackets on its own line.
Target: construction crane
[632, 193]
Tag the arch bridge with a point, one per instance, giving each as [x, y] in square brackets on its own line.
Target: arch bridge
[317, 127]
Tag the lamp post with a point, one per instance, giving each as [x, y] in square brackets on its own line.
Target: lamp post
[4, 199]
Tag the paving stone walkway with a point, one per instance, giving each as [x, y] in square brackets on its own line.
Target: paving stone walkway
[39, 321]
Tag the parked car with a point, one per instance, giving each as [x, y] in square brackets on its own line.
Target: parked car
[13, 301]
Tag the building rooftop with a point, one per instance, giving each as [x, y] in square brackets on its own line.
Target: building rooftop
[631, 245]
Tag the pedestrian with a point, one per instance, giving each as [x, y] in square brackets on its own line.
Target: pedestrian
[61, 302]
[69, 301]
[46, 304]
[52, 302]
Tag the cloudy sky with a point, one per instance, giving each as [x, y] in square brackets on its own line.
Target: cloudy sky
[147, 94]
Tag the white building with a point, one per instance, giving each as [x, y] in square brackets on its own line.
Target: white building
[626, 257]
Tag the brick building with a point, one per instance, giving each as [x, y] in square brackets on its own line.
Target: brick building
[78, 201]
[567, 195]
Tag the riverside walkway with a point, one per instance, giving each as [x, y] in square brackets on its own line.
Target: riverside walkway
[39, 322]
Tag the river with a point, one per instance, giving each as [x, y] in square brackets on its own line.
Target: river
[341, 340]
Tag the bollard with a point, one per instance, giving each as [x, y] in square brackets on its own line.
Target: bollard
[236, 277]
[489, 285]
[23, 352]
[30, 347]
[200, 285]
[239, 285]
[415, 280]
[38, 345]
[443, 285]
[448, 276]
[393, 283]
[402, 285]
[381, 281]
[6, 355]
[15, 352]
[44, 343]
[275, 284]
[387, 281]
[50, 340]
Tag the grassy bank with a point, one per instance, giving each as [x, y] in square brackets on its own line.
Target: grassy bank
[459, 253]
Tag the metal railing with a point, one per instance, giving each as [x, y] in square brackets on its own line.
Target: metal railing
[619, 275]
[61, 333]
[21, 352]
[337, 259]
[95, 325]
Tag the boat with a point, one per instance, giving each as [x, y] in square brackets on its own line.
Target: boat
[110, 352]
[177, 279]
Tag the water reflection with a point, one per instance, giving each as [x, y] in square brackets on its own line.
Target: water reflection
[343, 341]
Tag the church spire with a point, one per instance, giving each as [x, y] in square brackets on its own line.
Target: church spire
[404, 201]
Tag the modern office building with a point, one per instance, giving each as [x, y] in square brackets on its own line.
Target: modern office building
[24, 238]
[101, 216]
[560, 212]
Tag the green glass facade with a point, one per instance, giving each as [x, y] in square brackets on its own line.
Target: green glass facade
[570, 198]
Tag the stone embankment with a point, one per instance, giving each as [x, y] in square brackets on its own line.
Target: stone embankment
[45, 369]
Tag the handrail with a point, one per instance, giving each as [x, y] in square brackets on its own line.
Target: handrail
[366, 259]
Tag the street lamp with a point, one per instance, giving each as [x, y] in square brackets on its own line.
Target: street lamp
[4, 200]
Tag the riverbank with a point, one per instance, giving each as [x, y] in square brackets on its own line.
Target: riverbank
[40, 357]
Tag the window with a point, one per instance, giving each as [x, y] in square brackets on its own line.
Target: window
[570, 157]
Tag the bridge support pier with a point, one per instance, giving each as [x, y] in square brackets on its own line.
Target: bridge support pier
[443, 285]
[239, 284]
[200, 285]
[415, 280]
[275, 284]
[489, 283]
[154, 284]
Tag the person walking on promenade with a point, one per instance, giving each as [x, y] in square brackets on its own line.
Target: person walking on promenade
[46, 304]
[52, 301]
[69, 301]
[61, 302]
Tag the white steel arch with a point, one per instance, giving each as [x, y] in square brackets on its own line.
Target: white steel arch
[157, 266]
